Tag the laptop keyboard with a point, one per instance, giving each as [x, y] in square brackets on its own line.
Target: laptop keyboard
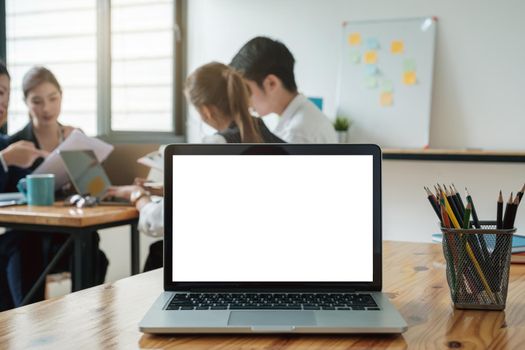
[272, 301]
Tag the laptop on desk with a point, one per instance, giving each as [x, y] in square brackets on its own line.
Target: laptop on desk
[272, 238]
[88, 177]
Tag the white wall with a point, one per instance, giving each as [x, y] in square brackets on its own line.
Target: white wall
[479, 81]
[407, 215]
[479, 75]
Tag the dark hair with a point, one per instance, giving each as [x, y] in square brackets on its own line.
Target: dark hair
[216, 84]
[263, 56]
[36, 76]
[3, 70]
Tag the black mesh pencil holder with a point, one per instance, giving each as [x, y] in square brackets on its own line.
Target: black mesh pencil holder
[478, 264]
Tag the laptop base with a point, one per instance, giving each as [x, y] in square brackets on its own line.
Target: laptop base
[387, 320]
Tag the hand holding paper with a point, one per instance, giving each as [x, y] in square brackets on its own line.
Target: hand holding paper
[77, 141]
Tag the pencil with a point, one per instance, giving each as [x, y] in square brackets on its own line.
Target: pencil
[480, 273]
[520, 193]
[459, 201]
[514, 211]
[433, 202]
[466, 218]
[508, 213]
[499, 218]
[452, 202]
[450, 213]
[449, 238]
[444, 216]
[475, 220]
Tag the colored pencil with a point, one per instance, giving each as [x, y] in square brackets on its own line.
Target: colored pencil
[450, 213]
[475, 219]
[452, 201]
[466, 218]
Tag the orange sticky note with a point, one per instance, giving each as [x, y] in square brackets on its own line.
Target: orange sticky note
[409, 78]
[370, 57]
[397, 47]
[387, 99]
[354, 39]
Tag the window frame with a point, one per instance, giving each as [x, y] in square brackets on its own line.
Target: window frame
[104, 87]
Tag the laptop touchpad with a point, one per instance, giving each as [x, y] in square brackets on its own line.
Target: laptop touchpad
[272, 318]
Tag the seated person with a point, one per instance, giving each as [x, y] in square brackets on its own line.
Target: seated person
[222, 99]
[21, 154]
[43, 97]
[268, 68]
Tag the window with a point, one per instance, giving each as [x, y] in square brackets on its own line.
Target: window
[121, 88]
[60, 35]
[142, 65]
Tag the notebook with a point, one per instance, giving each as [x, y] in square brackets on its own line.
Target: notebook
[518, 242]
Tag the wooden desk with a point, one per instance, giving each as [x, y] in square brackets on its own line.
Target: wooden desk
[79, 224]
[414, 277]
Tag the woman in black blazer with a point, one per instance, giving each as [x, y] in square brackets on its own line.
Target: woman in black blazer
[43, 96]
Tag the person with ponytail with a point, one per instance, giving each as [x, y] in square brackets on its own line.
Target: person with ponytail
[222, 99]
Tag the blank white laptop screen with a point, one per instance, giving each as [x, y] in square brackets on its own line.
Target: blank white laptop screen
[272, 218]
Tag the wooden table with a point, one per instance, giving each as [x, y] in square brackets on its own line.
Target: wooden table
[79, 224]
[107, 316]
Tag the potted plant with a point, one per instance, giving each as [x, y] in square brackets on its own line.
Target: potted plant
[341, 126]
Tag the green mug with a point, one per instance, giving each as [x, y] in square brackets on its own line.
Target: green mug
[39, 189]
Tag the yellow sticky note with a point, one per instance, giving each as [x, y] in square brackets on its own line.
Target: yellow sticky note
[397, 47]
[370, 57]
[387, 99]
[354, 39]
[409, 78]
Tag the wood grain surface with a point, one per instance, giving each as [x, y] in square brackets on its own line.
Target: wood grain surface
[106, 316]
[59, 215]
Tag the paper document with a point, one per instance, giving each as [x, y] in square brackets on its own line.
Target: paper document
[153, 159]
[77, 141]
[12, 198]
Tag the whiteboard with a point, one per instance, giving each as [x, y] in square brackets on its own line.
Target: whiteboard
[385, 81]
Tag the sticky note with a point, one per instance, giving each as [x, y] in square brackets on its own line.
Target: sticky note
[371, 69]
[387, 86]
[409, 65]
[318, 101]
[355, 57]
[354, 39]
[397, 47]
[386, 99]
[372, 43]
[371, 82]
[409, 78]
[370, 57]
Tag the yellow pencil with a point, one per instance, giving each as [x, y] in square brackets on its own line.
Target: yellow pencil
[480, 273]
[449, 211]
[455, 222]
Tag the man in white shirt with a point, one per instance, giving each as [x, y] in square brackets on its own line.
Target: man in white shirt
[268, 68]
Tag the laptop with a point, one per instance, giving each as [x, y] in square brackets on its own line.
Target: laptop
[272, 239]
[87, 175]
